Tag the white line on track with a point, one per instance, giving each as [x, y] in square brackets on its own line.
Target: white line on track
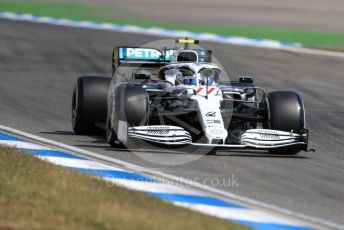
[235, 213]
[78, 163]
[23, 145]
[133, 167]
[315, 52]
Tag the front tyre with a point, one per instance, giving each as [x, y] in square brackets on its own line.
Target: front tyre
[285, 113]
[129, 107]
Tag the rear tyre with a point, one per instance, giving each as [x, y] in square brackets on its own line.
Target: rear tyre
[89, 104]
[285, 113]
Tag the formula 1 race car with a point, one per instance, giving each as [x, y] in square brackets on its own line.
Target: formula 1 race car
[177, 97]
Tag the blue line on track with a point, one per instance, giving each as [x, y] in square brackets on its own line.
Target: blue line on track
[270, 226]
[8, 138]
[51, 153]
[195, 199]
[115, 174]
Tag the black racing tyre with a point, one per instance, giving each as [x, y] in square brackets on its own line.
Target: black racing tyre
[285, 113]
[131, 105]
[89, 104]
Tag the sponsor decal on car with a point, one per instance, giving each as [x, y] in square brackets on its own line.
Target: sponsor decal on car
[216, 131]
[266, 136]
[158, 132]
[158, 127]
[269, 131]
[211, 114]
[213, 121]
[143, 53]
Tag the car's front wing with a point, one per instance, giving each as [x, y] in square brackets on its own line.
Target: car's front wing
[251, 139]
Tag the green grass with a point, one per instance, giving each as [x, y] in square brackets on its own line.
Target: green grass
[106, 14]
[35, 194]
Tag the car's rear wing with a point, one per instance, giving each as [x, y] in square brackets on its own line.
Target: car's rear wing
[137, 57]
[148, 57]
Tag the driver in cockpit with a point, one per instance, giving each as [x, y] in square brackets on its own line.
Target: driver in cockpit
[210, 76]
[185, 76]
[182, 76]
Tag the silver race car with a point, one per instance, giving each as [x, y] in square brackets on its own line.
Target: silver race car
[177, 97]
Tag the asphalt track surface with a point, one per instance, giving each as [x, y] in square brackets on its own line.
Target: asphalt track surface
[318, 15]
[39, 64]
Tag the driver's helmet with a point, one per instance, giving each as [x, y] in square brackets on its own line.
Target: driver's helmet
[210, 76]
[186, 77]
[190, 80]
